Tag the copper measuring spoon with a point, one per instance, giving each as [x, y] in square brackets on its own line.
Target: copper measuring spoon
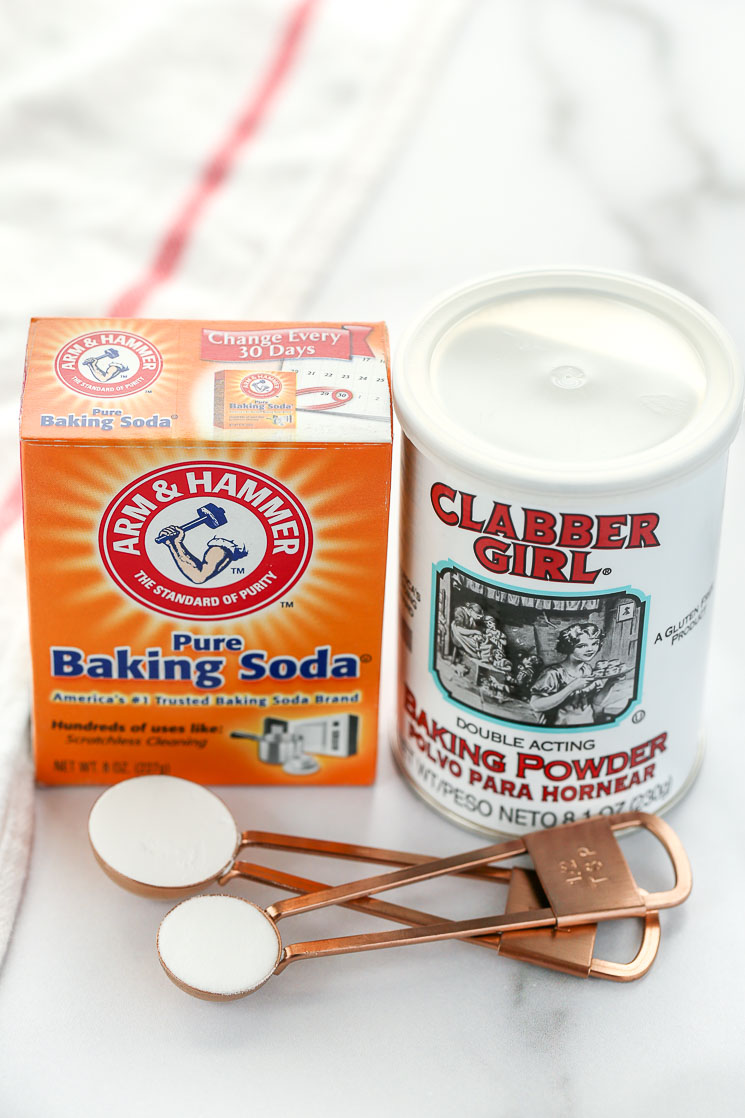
[221, 948]
[163, 836]
[200, 840]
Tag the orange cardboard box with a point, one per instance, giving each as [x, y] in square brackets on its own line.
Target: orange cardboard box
[206, 595]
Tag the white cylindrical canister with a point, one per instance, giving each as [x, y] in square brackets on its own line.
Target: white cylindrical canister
[565, 437]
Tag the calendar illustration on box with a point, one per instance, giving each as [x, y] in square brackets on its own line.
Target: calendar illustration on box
[359, 389]
[304, 377]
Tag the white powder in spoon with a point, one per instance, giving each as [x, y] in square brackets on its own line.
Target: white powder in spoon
[219, 945]
[163, 831]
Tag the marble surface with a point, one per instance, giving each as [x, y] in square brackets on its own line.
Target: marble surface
[570, 131]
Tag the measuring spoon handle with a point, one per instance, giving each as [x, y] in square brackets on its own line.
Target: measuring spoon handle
[407, 937]
[369, 905]
[380, 883]
[355, 853]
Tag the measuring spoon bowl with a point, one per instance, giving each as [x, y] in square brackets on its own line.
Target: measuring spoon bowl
[162, 836]
[218, 947]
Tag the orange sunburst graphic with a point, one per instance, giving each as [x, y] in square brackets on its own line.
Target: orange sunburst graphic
[79, 363]
[346, 525]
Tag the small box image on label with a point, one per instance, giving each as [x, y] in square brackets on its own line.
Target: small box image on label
[251, 399]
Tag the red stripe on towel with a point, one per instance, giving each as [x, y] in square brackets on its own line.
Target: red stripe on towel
[216, 171]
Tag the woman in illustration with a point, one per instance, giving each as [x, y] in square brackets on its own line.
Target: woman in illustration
[466, 630]
[218, 554]
[568, 694]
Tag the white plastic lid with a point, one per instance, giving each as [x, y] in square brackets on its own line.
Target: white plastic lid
[569, 379]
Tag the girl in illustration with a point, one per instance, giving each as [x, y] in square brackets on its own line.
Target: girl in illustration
[568, 694]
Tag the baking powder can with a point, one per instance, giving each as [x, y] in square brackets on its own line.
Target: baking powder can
[565, 439]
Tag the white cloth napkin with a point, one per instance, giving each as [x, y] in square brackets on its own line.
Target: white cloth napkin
[259, 127]
[16, 768]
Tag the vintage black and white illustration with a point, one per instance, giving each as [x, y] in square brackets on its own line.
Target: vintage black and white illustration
[545, 660]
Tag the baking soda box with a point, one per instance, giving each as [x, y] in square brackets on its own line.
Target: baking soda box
[206, 508]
